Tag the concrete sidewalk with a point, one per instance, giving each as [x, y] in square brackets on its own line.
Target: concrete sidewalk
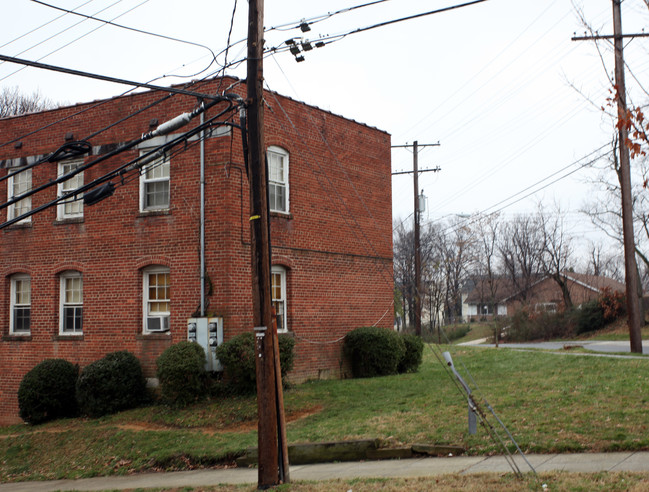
[415, 467]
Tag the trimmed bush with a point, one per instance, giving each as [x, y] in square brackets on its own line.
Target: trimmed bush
[413, 355]
[111, 384]
[182, 375]
[47, 392]
[238, 358]
[374, 351]
[590, 317]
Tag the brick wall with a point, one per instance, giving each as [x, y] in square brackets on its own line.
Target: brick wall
[336, 242]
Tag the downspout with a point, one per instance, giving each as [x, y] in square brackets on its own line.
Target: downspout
[202, 216]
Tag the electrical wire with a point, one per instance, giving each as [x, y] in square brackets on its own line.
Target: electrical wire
[322, 17]
[337, 37]
[41, 26]
[133, 29]
[74, 40]
[105, 78]
[79, 169]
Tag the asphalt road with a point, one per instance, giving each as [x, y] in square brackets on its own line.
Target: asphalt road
[599, 347]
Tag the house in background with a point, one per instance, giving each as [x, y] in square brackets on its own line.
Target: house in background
[484, 298]
[543, 295]
[127, 272]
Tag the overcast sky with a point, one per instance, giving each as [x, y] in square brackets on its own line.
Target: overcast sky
[512, 101]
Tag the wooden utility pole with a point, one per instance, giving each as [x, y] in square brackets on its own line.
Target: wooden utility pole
[418, 289]
[634, 310]
[415, 177]
[633, 289]
[271, 466]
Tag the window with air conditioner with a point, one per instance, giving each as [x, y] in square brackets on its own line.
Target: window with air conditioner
[157, 299]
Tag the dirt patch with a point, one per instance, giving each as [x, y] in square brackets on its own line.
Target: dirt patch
[149, 426]
[239, 427]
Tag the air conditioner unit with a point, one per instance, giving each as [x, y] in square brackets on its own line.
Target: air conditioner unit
[157, 323]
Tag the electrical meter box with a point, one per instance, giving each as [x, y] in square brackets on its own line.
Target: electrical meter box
[208, 333]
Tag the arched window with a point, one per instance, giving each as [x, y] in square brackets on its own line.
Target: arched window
[278, 180]
[278, 296]
[20, 304]
[71, 303]
[157, 299]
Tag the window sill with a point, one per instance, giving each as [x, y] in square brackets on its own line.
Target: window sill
[72, 337]
[17, 338]
[154, 213]
[21, 225]
[165, 335]
[70, 220]
[282, 215]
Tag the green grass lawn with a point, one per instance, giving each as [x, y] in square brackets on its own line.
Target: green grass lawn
[550, 403]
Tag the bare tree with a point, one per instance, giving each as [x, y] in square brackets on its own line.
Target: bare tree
[404, 269]
[520, 247]
[454, 249]
[557, 251]
[486, 266]
[604, 263]
[13, 102]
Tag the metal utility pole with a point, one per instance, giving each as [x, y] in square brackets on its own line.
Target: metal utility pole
[271, 452]
[635, 320]
[415, 175]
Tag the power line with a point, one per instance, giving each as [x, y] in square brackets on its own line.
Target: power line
[74, 40]
[142, 160]
[41, 26]
[105, 78]
[290, 45]
[133, 29]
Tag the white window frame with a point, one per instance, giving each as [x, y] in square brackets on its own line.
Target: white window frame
[545, 307]
[280, 303]
[162, 167]
[13, 304]
[163, 317]
[278, 179]
[73, 207]
[66, 303]
[23, 182]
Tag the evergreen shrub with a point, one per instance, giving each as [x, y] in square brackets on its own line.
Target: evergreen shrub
[373, 351]
[238, 358]
[413, 355]
[47, 392]
[590, 317]
[111, 384]
[182, 375]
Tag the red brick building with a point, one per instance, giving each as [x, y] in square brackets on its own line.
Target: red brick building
[125, 273]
